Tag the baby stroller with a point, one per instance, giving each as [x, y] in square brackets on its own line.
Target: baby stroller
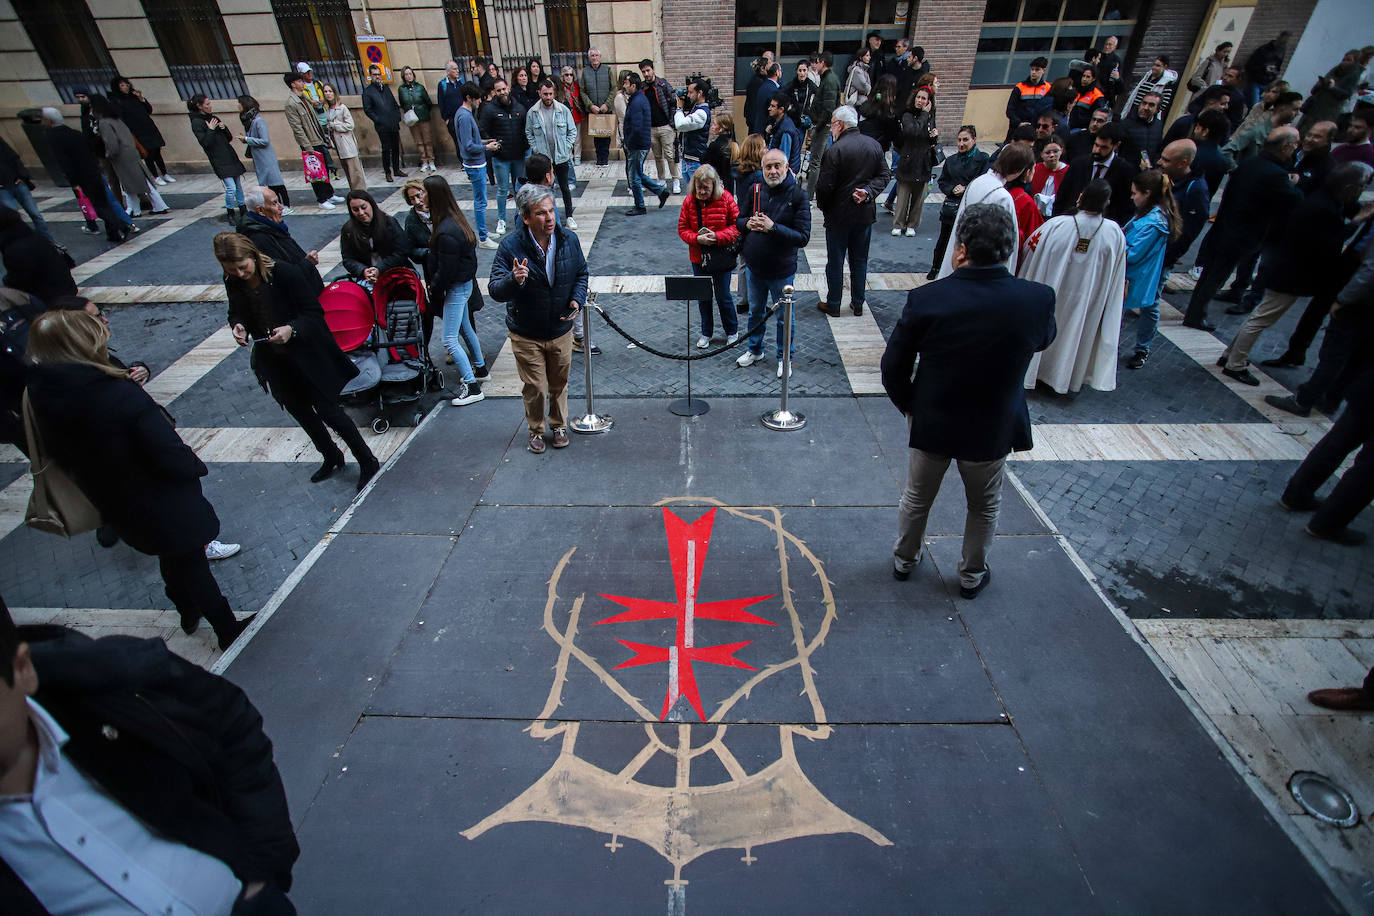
[382, 333]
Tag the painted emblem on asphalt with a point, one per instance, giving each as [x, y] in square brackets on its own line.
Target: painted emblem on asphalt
[694, 816]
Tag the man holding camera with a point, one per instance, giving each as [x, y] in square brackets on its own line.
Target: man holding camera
[693, 121]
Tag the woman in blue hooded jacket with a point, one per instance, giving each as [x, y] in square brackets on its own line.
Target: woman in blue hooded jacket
[1156, 221]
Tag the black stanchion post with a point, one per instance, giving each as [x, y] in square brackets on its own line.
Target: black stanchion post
[688, 289]
[783, 419]
[590, 423]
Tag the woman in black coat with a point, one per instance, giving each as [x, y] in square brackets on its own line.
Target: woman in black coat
[214, 137]
[914, 144]
[453, 271]
[295, 356]
[32, 263]
[137, 114]
[372, 241]
[119, 447]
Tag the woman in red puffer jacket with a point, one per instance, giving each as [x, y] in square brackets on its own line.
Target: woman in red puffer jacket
[707, 223]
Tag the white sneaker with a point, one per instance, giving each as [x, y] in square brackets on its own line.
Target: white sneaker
[677, 186]
[326, 205]
[1195, 272]
[287, 211]
[169, 178]
[159, 180]
[732, 340]
[488, 244]
[336, 199]
[468, 393]
[572, 223]
[500, 227]
[911, 233]
[789, 370]
[896, 231]
[218, 550]
[703, 342]
[747, 359]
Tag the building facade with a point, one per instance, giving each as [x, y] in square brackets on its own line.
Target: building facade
[172, 49]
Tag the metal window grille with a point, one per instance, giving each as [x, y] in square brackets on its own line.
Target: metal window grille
[567, 28]
[196, 46]
[69, 44]
[793, 30]
[516, 31]
[320, 33]
[468, 35]
[1015, 32]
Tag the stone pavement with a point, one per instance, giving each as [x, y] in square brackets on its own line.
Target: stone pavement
[1164, 487]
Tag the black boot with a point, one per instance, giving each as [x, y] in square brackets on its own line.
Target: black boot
[231, 216]
[243, 215]
[331, 464]
[368, 465]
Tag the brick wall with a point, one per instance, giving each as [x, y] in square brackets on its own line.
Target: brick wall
[1274, 16]
[948, 31]
[699, 36]
[1171, 29]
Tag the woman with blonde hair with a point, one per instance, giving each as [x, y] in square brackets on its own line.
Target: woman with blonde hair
[709, 223]
[119, 447]
[294, 355]
[341, 129]
[722, 149]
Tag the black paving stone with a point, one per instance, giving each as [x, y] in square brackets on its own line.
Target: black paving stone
[161, 333]
[83, 246]
[648, 244]
[1080, 693]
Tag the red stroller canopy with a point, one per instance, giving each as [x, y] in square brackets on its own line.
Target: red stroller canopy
[348, 312]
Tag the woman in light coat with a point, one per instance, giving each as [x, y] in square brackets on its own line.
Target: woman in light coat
[345, 143]
[122, 152]
[259, 143]
[859, 83]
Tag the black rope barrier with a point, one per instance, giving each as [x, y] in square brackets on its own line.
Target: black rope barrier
[744, 336]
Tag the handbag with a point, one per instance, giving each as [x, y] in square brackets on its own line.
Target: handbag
[475, 300]
[601, 124]
[410, 117]
[717, 259]
[57, 504]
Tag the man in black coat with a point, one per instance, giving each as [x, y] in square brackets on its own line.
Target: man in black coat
[265, 227]
[380, 106]
[974, 332]
[1299, 256]
[853, 173]
[82, 170]
[1144, 130]
[1260, 195]
[1104, 162]
[164, 764]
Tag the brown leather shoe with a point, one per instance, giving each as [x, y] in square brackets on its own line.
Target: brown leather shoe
[1355, 699]
[560, 437]
[537, 444]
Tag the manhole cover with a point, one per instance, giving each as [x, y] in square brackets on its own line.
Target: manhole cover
[1323, 799]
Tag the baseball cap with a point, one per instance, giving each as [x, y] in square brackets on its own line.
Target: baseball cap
[302, 67]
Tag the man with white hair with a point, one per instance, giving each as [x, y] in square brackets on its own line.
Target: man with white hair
[83, 171]
[265, 226]
[853, 173]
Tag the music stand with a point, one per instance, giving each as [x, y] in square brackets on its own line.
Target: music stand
[689, 289]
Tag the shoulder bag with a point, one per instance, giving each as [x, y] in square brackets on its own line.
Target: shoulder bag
[57, 504]
[717, 259]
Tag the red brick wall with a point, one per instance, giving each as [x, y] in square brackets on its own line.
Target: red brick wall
[1170, 28]
[699, 36]
[948, 31]
[1272, 17]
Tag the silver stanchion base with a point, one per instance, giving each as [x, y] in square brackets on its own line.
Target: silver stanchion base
[591, 423]
[689, 407]
[784, 420]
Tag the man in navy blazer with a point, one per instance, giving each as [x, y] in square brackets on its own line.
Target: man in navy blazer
[975, 332]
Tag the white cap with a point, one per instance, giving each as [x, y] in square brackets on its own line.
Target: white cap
[302, 67]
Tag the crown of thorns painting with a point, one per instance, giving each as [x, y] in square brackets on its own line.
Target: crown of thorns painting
[721, 636]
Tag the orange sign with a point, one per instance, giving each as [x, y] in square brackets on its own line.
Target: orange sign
[372, 52]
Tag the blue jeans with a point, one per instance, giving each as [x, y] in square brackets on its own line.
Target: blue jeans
[458, 328]
[688, 167]
[18, 195]
[507, 171]
[115, 205]
[233, 193]
[759, 291]
[634, 174]
[725, 301]
[853, 242]
[478, 179]
[892, 193]
[1146, 326]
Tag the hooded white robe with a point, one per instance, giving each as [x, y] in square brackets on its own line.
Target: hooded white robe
[985, 189]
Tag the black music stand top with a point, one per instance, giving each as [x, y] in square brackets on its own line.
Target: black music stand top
[695, 288]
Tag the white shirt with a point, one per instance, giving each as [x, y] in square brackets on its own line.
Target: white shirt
[548, 253]
[1100, 168]
[79, 851]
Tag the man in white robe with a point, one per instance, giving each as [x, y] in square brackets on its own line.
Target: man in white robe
[989, 188]
[1082, 257]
